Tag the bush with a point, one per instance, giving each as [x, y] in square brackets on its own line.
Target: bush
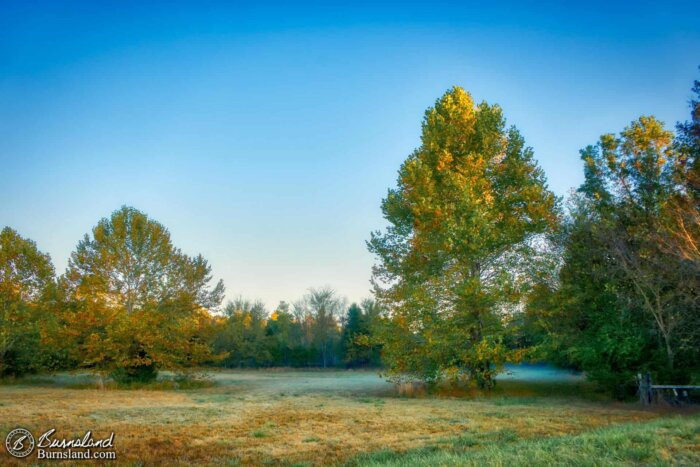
[135, 374]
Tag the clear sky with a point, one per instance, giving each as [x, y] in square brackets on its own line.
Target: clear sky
[265, 135]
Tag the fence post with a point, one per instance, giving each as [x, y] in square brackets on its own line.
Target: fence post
[649, 391]
[646, 393]
[641, 390]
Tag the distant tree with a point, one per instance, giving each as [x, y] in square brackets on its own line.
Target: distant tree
[360, 342]
[375, 318]
[136, 303]
[469, 202]
[319, 312]
[243, 336]
[284, 335]
[26, 276]
[353, 327]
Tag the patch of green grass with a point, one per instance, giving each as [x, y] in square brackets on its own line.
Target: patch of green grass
[464, 442]
[28, 381]
[260, 434]
[509, 401]
[311, 439]
[659, 442]
[370, 400]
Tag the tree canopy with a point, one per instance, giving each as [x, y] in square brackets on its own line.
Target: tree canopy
[26, 276]
[137, 303]
[469, 201]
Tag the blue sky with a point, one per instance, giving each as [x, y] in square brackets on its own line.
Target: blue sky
[265, 135]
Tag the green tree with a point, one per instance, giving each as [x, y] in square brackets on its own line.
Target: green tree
[284, 335]
[583, 320]
[630, 180]
[469, 203]
[136, 303]
[353, 327]
[681, 235]
[319, 312]
[26, 277]
[626, 300]
[243, 337]
[360, 346]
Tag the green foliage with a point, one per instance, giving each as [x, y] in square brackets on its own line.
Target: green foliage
[464, 218]
[314, 334]
[134, 303]
[360, 346]
[284, 334]
[242, 335]
[627, 299]
[135, 374]
[588, 326]
[26, 281]
[318, 313]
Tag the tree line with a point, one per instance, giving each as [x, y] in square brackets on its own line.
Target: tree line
[480, 265]
[130, 304]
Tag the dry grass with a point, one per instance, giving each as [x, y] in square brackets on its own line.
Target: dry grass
[290, 417]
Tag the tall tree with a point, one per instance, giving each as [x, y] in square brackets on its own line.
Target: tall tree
[26, 276]
[468, 204]
[137, 303]
[630, 182]
[320, 310]
[681, 236]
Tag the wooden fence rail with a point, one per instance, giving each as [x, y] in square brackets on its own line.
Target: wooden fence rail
[648, 392]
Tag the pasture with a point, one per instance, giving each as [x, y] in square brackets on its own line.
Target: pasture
[353, 418]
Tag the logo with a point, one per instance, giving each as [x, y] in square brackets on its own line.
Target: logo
[19, 442]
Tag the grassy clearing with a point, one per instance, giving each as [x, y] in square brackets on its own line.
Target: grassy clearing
[254, 417]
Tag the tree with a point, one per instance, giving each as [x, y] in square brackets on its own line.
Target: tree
[26, 276]
[319, 311]
[135, 302]
[583, 320]
[681, 235]
[359, 337]
[469, 202]
[630, 182]
[243, 336]
[353, 327]
[285, 338]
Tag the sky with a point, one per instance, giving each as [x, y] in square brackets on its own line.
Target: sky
[264, 135]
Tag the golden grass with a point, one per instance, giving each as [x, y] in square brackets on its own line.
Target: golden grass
[286, 417]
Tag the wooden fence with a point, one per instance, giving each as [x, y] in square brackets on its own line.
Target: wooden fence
[649, 393]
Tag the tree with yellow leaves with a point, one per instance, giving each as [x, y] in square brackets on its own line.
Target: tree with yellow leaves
[468, 205]
[135, 303]
[632, 184]
[26, 276]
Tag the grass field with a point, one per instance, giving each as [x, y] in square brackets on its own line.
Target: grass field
[352, 417]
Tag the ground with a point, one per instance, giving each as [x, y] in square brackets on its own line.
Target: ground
[351, 417]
